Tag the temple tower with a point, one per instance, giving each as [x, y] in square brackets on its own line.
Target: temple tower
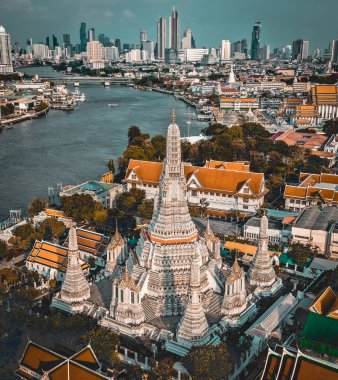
[234, 300]
[193, 328]
[116, 252]
[261, 273]
[75, 287]
[214, 245]
[126, 306]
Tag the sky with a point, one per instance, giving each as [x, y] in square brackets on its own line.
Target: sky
[210, 20]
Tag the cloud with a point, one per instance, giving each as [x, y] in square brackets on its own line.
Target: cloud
[127, 13]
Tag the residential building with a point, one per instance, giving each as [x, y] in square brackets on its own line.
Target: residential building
[266, 52]
[95, 51]
[222, 189]
[41, 51]
[225, 50]
[143, 37]
[148, 47]
[6, 65]
[319, 229]
[194, 55]
[314, 189]
[111, 53]
[161, 38]
[91, 35]
[276, 232]
[255, 41]
[187, 38]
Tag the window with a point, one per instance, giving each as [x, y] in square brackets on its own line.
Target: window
[245, 200]
[132, 297]
[194, 193]
[246, 190]
[133, 176]
[121, 295]
[245, 207]
[292, 201]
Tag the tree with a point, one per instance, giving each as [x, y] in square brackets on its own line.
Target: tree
[301, 253]
[80, 207]
[254, 130]
[145, 209]
[136, 153]
[133, 132]
[52, 229]
[130, 200]
[3, 249]
[37, 206]
[159, 144]
[209, 362]
[104, 344]
[331, 127]
[100, 218]
[111, 166]
[24, 231]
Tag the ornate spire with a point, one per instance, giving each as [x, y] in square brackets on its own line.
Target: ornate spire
[171, 222]
[193, 325]
[262, 273]
[173, 117]
[75, 287]
[236, 272]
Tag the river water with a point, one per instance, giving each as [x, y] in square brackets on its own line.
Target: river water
[71, 147]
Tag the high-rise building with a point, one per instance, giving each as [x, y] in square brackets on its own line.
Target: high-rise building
[83, 37]
[187, 39]
[111, 53]
[305, 50]
[91, 34]
[95, 51]
[47, 41]
[41, 51]
[66, 39]
[300, 49]
[174, 30]
[55, 41]
[161, 38]
[118, 44]
[143, 36]
[244, 47]
[266, 53]
[6, 65]
[148, 46]
[334, 51]
[255, 41]
[225, 50]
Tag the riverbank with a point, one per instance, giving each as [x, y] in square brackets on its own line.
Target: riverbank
[5, 123]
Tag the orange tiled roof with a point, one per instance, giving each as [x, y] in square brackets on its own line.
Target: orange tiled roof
[226, 181]
[326, 303]
[304, 140]
[237, 165]
[52, 212]
[246, 249]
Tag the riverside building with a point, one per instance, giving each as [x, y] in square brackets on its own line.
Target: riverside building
[6, 66]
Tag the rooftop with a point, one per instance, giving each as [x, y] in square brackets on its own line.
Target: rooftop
[315, 219]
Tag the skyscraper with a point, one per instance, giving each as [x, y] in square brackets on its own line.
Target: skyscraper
[5, 52]
[66, 39]
[266, 53]
[118, 44]
[174, 30]
[161, 38]
[300, 49]
[55, 41]
[143, 36]
[256, 36]
[305, 50]
[244, 47]
[83, 37]
[225, 50]
[91, 34]
[334, 51]
[47, 41]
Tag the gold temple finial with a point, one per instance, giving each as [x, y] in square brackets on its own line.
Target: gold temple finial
[173, 117]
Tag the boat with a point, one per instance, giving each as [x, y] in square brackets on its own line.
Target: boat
[113, 105]
[106, 84]
[76, 84]
[78, 97]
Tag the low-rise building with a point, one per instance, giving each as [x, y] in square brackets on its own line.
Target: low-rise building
[314, 189]
[308, 141]
[318, 228]
[239, 104]
[102, 192]
[221, 189]
[325, 97]
[277, 233]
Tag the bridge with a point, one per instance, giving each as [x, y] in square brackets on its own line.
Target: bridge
[86, 80]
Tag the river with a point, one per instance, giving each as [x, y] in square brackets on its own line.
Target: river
[71, 147]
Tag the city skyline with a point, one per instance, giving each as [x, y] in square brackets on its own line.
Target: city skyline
[209, 26]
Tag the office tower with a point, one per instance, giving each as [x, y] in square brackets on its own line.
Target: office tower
[297, 49]
[91, 34]
[256, 36]
[5, 52]
[66, 39]
[47, 41]
[118, 44]
[266, 52]
[126, 47]
[186, 40]
[29, 46]
[305, 50]
[193, 42]
[148, 46]
[334, 51]
[143, 36]
[83, 37]
[244, 47]
[225, 50]
[174, 30]
[104, 40]
[55, 41]
[111, 53]
[161, 38]
[16, 48]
